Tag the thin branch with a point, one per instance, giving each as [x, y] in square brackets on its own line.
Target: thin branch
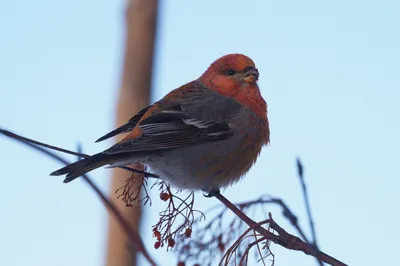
[306, 201]
[133, 235]
[300, 172]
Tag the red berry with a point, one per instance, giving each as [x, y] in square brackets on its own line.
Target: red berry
[157, 245]
[165, 196]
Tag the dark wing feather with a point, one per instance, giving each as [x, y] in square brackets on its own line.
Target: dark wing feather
[127, 127]
[170, 129]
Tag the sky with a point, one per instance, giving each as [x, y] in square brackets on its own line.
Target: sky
[328, 71]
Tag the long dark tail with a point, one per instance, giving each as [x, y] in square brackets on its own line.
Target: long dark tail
[83, 166]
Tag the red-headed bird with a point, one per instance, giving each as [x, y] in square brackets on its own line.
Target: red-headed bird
[203, 135]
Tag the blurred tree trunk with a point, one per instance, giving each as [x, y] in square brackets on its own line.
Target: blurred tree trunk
[134, 94]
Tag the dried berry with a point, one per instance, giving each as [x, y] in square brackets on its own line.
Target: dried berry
[171, 242]
[221, 247]
[188, 232]
[157, 234]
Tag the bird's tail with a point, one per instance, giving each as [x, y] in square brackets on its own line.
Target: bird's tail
[83, 166]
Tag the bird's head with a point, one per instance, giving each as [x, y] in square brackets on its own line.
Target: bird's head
[236, 76]
[231, 72]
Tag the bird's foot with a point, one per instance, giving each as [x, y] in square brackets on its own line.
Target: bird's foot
[210, 193]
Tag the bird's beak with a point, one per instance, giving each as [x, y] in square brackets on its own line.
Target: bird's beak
[251, 75]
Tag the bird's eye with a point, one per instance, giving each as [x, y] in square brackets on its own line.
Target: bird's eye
[231, 72]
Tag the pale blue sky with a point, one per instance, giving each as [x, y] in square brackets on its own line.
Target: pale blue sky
[329, 72]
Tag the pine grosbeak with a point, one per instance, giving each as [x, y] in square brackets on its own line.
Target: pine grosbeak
[203, 135]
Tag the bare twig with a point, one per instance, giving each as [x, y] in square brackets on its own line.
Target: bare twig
[230, 252]
[306, 201]
[300, 172]
[133, 235]
[131, 190]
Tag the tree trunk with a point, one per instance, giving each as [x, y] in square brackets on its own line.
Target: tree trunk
[134, 94]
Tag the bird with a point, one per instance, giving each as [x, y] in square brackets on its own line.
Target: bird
[204, 135]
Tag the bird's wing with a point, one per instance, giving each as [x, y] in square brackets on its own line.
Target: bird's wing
[195, 117]
[128, 126]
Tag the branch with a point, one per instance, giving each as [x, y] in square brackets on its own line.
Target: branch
[283, 238]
